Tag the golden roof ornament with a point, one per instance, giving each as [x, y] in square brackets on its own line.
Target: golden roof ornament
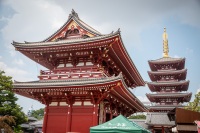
[165, 44]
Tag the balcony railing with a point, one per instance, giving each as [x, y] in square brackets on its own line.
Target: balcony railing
[72, 73]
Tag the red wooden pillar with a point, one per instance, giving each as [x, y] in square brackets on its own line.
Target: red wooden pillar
[95, 114]
[111, 113]
[152, 130]
[69, 118]
[44, 128]
[163, 131]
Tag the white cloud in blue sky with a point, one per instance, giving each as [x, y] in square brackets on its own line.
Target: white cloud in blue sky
[141, 24]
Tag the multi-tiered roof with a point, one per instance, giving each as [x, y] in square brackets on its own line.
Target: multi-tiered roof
[168, 77]
[77, 55]
[76, 44]
[89, 76]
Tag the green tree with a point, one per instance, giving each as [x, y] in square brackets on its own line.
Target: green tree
[137, 117]
[195, 105]
[8, 106]
[39, 114]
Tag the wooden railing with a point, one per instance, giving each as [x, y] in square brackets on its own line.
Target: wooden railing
[71, 73]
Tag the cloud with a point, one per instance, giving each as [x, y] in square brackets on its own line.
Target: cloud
[36, 20]
[11, 50]
[198, 90]
[30, 21]
[188, 13]
[176, 56]
[2, 65]
[3, 22]
[33, 24]
[57, 23]
[19, 62]
[143, 99]
[27, 102]
[14, 72]
[0, 57]
[189, 51]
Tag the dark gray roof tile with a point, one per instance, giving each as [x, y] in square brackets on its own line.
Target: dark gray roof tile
[159, 119]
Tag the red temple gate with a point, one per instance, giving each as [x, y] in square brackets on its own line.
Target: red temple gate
[88, 79]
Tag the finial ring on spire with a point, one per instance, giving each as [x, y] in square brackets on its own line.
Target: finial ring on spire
[165, 44]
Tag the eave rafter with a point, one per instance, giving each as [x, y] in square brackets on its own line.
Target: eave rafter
[94, 93]
[167, 63]
[170, 86]
[109, 45]
[168, 75]
[178, 97]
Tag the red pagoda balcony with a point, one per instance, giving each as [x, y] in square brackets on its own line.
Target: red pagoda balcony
[71, 73]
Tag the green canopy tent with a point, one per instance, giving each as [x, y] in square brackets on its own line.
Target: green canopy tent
[119, 124]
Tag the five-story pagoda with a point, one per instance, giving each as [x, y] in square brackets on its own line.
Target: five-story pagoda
[168, 81]
[88, 79]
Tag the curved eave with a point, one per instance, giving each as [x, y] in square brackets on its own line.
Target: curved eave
[167, 95]
[68, 42]
[65, 83]
[153, 74]
[128, 97]
[26, 48]
[120, 90]
[186, 96]
[121, 53]
[181, 85]
[26, 88]
[160, 108]
[166, 61]
[117, 50]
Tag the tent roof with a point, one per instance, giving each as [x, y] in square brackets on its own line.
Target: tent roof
[119, 124]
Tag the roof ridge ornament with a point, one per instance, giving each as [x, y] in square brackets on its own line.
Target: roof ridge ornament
[14, 42]
[73, 13]
[118, 30]
[165, 44]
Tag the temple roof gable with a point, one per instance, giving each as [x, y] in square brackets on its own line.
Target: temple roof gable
[74, 27]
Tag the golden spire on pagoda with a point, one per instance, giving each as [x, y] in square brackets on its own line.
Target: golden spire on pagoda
[165, 44]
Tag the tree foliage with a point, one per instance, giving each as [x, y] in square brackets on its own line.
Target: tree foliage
[137, 117]
[8, 106]
[5, 82]
[39, 114]
[195, 105]
[5, 122]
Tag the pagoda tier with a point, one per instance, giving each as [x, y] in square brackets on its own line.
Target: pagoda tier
[163, 108]
[169, 98]
[176, 86]
[94, 90]
[168, 75]
[167, 63]
[88, 78]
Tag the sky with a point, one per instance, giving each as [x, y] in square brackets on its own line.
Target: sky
[141, 24]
